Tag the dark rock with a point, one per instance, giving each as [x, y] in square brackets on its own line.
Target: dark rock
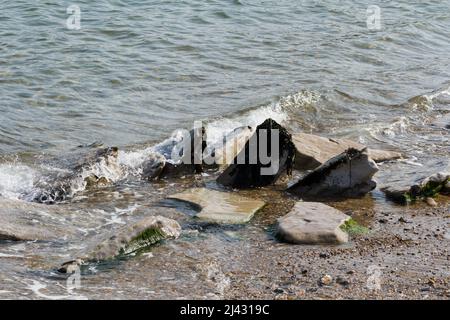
[153, 166]
[249, 169]
[188, 157]
[346, 175]
[342, 281]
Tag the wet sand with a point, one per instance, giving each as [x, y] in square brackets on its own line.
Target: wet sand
[408, 245]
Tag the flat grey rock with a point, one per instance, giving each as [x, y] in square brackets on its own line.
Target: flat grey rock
[312, 223]
[348, 174]
[220, 207]
[23, 221]
[313, 150]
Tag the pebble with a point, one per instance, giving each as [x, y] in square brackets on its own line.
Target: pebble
[278, 290]
[401, 219]
[431, 202]
[342, 281]
[326, 280]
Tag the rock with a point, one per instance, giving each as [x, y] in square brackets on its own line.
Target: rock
[220, 207]
[19, 232]
[187, 155]
[342, 281]
[383, 155]
[92, 168]
[129, 239]
[313, 151]
[251, 169]
[349, 174]
[312, 223]
[398, 194]
[326, 280]
[25, 221]
[421, 190]
[153, 166]
[71, 266]
[436, 183]
[446, 189]
[431, 202]
[442, 122]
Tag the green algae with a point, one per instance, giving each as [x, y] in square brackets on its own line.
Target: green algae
[353, 228]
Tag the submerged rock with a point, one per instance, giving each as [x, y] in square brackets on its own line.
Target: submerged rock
[10, 230]
[312, 223]
[129, 239]
[313, 151]
[346, 175]
[220, 207]
[442, 122]
[266, 156]
[91, 169]
[423, 189]
[153, 166]
[25, 221]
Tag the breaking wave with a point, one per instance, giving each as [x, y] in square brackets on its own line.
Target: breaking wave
[23, 181]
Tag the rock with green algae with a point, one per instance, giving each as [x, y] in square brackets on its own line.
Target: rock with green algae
[427, 188]
[129, 239]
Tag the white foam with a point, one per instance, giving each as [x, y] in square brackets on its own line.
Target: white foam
[15, 179]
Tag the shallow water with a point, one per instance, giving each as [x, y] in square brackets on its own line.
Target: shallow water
[138, 70]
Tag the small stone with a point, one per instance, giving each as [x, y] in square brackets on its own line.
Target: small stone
[403, 220]
[278, 291]
[342, 281]
[301, 293]
[432, 282]
[326, 280]
[431, 202]
[324, 255]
